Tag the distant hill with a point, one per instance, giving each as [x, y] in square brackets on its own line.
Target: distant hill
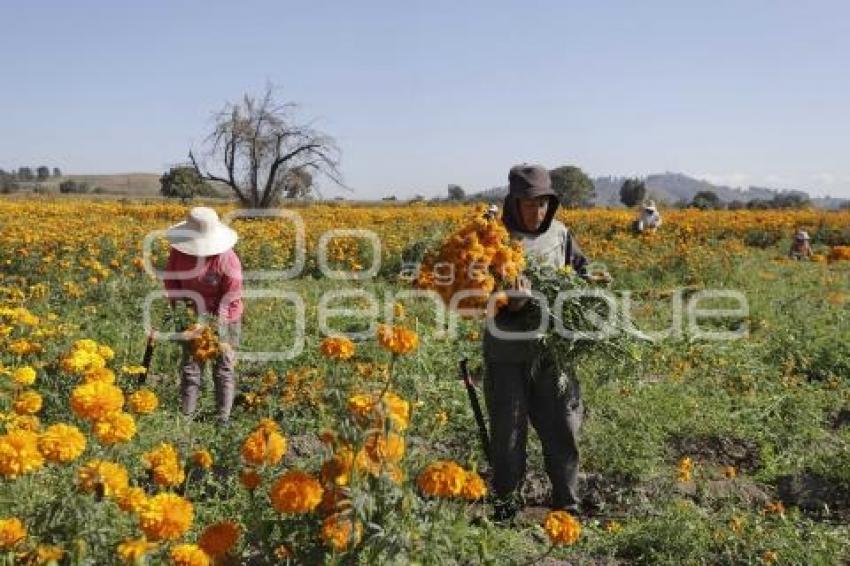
[134, 185]
[671, 188]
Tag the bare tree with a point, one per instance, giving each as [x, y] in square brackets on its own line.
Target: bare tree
[257, 147]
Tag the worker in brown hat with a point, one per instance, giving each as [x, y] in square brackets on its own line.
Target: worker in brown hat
[521, 381]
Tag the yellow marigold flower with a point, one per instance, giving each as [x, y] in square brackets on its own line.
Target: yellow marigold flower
[131, 499]
[133, 370]
[442, 478]
[340, 531]
[12, 531]
[47, 553]
[165, 516]
[24, 347]
[613, 527]
[133, 550]
[23, 422]
[384, 448]
[474, 488]
[730, 471]
[441, 418]
[562, 528]
[398, 410]
[105, 352]
[62, 443]
[143, 401]
[250, 478]
[80, 360]
[337, 470]
[165, 465]
[769, 556]
[94, 401]
[112, 478]
[103, 375]
[361, 405]
[27, 403]
[19, 453]
[219, 539]
[295, 492]
[115, 428]
[684, 469]
[264, 445]
[202, 459]
[24, 376]
[337, 348]
[397, 339]
[189, 555]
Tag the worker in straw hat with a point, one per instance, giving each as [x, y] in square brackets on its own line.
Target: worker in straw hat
[800, 246]
[649, 218]
[202, 261]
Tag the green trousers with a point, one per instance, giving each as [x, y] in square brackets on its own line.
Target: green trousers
[521, 385]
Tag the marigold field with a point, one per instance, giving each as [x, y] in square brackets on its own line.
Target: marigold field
[365, 450]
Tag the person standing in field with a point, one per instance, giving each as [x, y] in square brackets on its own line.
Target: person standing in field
[649, 218]
[521, 377]
[800, 247]
[202, 260]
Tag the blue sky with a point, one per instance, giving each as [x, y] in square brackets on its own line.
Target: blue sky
[421, 94]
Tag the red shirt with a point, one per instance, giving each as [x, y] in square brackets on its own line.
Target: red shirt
[216, 276]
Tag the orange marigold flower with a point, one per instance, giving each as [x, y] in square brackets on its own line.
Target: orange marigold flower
[24, 376]
[219, 539]
[133, 550]
[337, 348]
[104, 375]
[96, 400]
[19, 453]
[340, 531]
[27, 403]
[165, 516]
[562, 528]
[189, 555]
[131, 499]
[397, 339]
[12, 531]
[143, 401]
[337, 470]
[250, 478]
[62, 443]
[474, 488]
[112, 478]
[295, 492]
[264, 445]
[442, 478]
[115, 428]
[202, 459]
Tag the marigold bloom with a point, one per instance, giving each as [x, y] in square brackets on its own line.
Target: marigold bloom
[115, 428]
[27, 403]
[340, 531]
[131, 551]
[47, 553]
[250, 478]
[474, 488]
[112, 478]
[19, 453]
[397, 339]
[131, 499]
[104, 375]
[219, 539]
[380, 447]
[165, 465]
[337, 470]
[143, 401]
[442, 478]
[684, 469]
[96, 400]
[295, 492]
[337, 348]
[24, 376]
[165, 516]
[562, 528]
[189, 555]
[12, 531]
[264, 445]
[61, 443]
[202, 459]
[133, 370]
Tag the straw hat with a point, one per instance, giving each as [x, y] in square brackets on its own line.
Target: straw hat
[202, 234]
[650, 205]
[802, 235]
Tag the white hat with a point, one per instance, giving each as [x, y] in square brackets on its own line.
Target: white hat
[650, 205]
[802, 235]
[202, 234]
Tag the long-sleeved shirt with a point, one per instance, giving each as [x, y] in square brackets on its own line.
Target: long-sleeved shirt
[217, 276]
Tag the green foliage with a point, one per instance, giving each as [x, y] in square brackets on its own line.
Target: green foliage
[573, 187]
[71, 187]
[705, 200]
[632, 192]
[183, 182]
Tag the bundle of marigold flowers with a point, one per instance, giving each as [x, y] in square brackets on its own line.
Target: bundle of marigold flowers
[478, 258]
[203, 343]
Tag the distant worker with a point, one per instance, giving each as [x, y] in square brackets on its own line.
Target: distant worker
[649, 219]
[800, 247]
[491, 212]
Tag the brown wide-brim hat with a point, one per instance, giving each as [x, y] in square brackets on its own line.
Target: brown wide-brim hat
[527, 181]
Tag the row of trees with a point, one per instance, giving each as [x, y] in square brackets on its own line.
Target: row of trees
[41, 173]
